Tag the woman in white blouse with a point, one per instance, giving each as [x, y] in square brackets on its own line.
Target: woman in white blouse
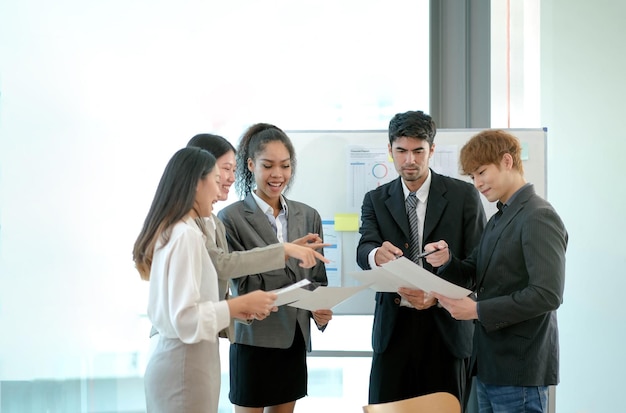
[183, 374]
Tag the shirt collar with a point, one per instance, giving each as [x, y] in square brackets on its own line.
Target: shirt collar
[267, 208]
[512, 198]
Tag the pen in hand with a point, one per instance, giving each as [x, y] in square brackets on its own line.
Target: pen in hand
[426, 254]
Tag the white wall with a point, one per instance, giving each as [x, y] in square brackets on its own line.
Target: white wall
[583, 88]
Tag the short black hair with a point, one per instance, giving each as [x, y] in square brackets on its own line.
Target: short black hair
[412, 124]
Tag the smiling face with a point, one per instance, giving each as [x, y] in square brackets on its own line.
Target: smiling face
[272, 172]
[411, 157]
[496, 182]
[226, 166]
[208, 192]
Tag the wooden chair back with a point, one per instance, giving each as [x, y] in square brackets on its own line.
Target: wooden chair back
[430, 403]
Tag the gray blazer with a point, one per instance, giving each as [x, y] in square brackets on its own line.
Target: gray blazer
[519, 269]
[238, 263]
[247, 227]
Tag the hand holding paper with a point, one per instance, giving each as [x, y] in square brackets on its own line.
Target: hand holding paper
[419, 299]
[292, 292]
[403, 272]
[322, 317]
[322, 298]
[460, 309]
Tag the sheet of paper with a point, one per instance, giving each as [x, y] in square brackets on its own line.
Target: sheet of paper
[323, 298]
[403, 272]
[424, 279]
[292, 292]
[380, 279]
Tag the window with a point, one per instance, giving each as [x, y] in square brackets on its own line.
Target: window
[515, 64]
[95, 98]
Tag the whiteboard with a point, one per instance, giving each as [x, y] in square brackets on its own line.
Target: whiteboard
[330, 178]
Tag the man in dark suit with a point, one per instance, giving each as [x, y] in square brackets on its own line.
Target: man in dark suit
[519, 272]
[418, 347]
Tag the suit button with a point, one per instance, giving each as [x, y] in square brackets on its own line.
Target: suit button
[481, 289]
[396, 300]
[406, 245]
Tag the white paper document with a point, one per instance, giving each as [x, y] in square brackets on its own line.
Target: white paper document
[381, 280]
[403, 272]
[323, 298]
[292, 292]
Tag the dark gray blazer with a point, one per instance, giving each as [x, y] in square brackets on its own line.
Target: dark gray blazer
[455, 214]
[519, 268]
[247, 227]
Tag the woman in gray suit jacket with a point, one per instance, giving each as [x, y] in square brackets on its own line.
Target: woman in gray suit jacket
[238, 263]
[268, 358]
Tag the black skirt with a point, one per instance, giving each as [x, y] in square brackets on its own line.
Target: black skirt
[261, 376]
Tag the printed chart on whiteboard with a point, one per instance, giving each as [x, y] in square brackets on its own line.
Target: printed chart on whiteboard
[368, 168]
[371, 166]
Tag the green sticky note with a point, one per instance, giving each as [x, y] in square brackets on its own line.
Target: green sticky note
[524, 154]
[347, 222]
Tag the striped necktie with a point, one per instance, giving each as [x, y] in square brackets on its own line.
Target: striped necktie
[411, 210]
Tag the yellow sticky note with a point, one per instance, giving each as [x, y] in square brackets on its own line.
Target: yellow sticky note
[347, 222]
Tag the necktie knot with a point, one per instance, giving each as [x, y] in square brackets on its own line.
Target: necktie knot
[411, 200]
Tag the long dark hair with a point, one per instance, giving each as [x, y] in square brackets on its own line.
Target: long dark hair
[252, 143]
[174, 198]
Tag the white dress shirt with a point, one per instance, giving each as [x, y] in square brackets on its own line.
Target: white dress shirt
[183, 300]
[279, 223]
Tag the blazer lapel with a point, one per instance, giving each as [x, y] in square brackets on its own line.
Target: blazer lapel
[492, 234]
[487, 247]
[395, 205]
[436, 205]
[295, 222]
[257, 219]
